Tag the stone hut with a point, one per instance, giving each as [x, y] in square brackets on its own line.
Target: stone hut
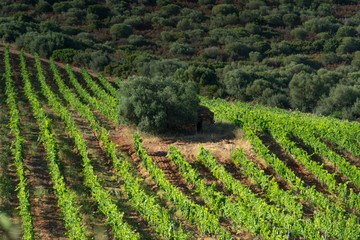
[205, 118]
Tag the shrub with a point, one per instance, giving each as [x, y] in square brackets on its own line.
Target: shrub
[72, 21]
[343, 101]
[282, 47]
[65, 55]
[100, 10]
[177, 48]
[43, 7]
[9, 32]
[62, 6]
[247, 16]
[356, 60]
[323, 36]
[157, 104]
[273, 20]
[329, 58]
[324, 24]
[200, 75]
[46, 43]
[86, 38]
[299, 33]
[162, 68]
[162, 3]
[331, 45]
[221, 21]
[167, 36]
[306, 90]
[171, 9]
[212, 52]
[255, 56]
[256, 89]
[324, 9]
[49, 26]
[203, 2]
[134, 21]
[16, 7]
[224, 9]
[348, 45]
[253, 28]
[235, 82]
[255, 4]
[186, 24]
[137, 40]
[279, 100]
[237, 49]
[82, 4]
[70, 30]
[121, 30]
[95, 60]
[74, 13]
[291, 19]
[346, 31]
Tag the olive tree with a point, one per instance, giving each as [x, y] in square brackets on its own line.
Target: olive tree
[157, 104]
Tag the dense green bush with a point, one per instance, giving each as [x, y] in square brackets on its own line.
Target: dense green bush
[86, 38]
[167, 36]
[9, 31]
[49, 26]
[283, 47]
[291, 19]
[346, 31]
[212, 52]
[16, 7]
[356, 60]
[237, 49]
[299, 33]
[255, 4]
[134, 21]
[162, 68]
[323, 24]
[62, 6]
[121, 30]
[348, 45]
[307, 89]
[200, 75]
[343, 101]
[157, 104]
[96, 60]
[137, 40]
[324, 9]
[259, 90]
[331, 45]
[177, 48]
[206, 1]
[273, 20]
[45, 44]
[43, 7]
[122, 68]
[99, 10]
[171, 9]
[224, 9]
[329, 59]
[65, 55]
[279, 100]
[255, 56]
[236, 82]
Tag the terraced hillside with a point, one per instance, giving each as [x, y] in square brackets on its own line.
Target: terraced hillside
[69, 170]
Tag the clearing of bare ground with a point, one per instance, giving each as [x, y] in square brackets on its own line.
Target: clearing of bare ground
[221, 138]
